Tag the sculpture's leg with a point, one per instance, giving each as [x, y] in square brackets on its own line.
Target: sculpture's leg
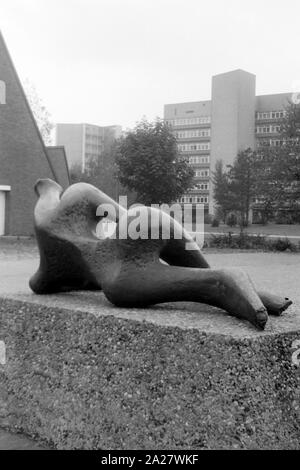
[231, 290]
[175, 254]
[274, 304]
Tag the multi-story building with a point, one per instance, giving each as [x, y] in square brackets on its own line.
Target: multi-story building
[270, 109]
[233, 120]
[84, 142]
[191, 123]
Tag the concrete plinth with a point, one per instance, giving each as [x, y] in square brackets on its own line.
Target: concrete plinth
[77, 373]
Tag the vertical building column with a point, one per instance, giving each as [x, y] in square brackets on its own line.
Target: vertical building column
[233, 119]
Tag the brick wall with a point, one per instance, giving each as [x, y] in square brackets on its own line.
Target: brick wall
[23, 157]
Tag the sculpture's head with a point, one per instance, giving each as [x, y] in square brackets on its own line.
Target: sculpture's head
[78, 209]
[47, 187]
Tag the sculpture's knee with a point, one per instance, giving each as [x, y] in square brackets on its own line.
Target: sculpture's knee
[127, 289]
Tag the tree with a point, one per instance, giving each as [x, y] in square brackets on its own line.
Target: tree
[280, 169]
[40, 113]
[290, 125]
[222, 194]
[242, 182]
[268, 178]
[236, 187]
[266, 186]
[148, 162]
[284, 173]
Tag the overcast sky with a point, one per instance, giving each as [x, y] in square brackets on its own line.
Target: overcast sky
[114, 61]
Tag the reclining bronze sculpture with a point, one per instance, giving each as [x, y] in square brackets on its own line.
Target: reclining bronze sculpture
[133, 273]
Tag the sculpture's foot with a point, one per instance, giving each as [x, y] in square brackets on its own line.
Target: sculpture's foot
[261, 319]
[240, 299]
[274, 304]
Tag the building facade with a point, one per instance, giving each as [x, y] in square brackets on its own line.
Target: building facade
[191, 124]
[232, 121]
[23, 156]
[84, 143]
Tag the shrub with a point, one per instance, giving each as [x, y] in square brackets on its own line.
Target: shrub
[260, 218]
[215, 223]
[219, 214]
[283, 245]
[207, 218]
[251, 242]
[296, 217]
[283, 219]
[231, 219]
[222, 241]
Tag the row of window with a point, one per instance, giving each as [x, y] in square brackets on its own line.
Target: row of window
[189, 121]
[194, 199]
[207, 119]
[191, 134]
[93, 133]
[268, 129]
[194, 147]
[91, 156]
[91, 148]
[201, 186]
[269, 143]
[197, 159]
[202, 173]
[93, 138]
[271, 115]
